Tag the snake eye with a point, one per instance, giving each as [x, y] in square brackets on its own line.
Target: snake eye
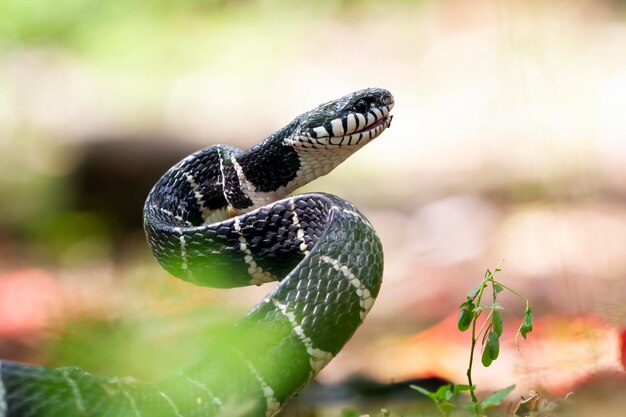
[361, 106]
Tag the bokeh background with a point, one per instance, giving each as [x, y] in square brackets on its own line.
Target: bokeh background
[508, 146]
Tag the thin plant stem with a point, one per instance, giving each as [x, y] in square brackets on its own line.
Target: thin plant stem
[484, 322]
[513, 291]
[471, 363]
[470, 382]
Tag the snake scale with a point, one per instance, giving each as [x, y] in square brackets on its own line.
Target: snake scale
[223, 217]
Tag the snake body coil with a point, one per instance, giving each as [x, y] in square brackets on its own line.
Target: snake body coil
[219, 218]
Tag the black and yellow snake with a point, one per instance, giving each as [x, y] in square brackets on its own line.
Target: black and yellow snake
[220, 218]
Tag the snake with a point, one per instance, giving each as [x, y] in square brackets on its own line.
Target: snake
[224, 217]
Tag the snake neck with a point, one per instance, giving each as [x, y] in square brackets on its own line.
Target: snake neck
[275, 168]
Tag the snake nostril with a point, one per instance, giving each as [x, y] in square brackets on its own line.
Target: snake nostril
[387, 100]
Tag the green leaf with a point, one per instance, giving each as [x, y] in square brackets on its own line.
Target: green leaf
[497, 288]
[527, 323]
[496, 320]
[442, 391]
[424, 391]
[465, 318]
[473, 408]
[461, 387]
[493, 345]
[473, 292]
[496, 398]
[465, 304]
[446, 407]
[486, 358]
[491, 350]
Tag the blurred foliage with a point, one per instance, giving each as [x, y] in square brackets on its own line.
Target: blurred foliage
[33, 177]
[70, 237]
[127, 346]
[77, 23]
[36, 179]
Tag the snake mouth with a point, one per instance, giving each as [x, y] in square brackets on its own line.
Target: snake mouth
[353, 128]
[364, 135]
[386, 120]
[358, 137]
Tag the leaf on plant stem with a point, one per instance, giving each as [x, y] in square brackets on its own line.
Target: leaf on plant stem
[527, 323]
[496, 398]
[446, 407]
[491, 350]
[442, 391]
[493, 345]
[465, 318]
[424, 391]
[466, 304]
[473, 292]
[486, 358]
[497, 287]
[461, 388]
[472, 408]
[496, 321]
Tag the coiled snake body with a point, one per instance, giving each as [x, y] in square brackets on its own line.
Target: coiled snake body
[213, 220]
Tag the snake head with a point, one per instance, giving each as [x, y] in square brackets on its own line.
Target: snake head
[351, 121]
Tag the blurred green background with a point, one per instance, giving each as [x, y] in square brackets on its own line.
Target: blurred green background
[508, 142]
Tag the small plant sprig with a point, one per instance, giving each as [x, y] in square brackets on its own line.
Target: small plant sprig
[488, 334]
